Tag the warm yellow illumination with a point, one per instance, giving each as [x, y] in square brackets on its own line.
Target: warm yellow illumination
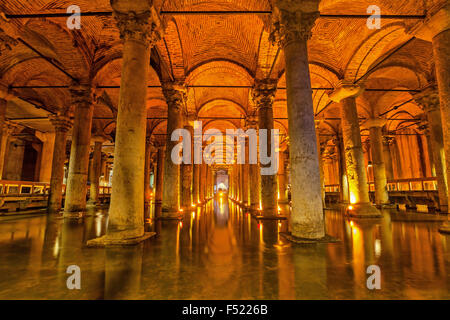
[350, 207]
[352, 198]
[351, 224]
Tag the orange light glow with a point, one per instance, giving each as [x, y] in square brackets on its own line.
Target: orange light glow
[350, 207]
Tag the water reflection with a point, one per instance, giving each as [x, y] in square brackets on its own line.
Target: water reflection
[219, 251]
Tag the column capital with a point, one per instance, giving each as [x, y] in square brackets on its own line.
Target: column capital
[346, 89]
[5, 91]
[61, 123]
[373, 123]
[6, 41]
[437, 21]
[81, 95]
[99, 138]
[293, 21]
[175, 94]
[428, 99]
[137, 21]
[387, 140]
[263, 93]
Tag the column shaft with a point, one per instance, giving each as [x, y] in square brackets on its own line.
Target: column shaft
[76, 189]
[379, 170]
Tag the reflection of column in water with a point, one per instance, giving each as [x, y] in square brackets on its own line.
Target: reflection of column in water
[72, 253]
[363, 254]
[123, 268]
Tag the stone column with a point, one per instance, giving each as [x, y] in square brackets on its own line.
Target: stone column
[139, 27]
[263, 95]
[76, 189]
[320, 150]
[202, 182]
[436, 28]
[282, 181]
[62, 125]
[187, 176]
[387, 157]
[254, 175]
[245, 177]
[343, 180]
[3, 135]
[48, 144]
[175, 96]
[429, 99]
[159, 174]
[379, 168]
[96, 170]
[147, 170]
[360, 205]
[293, 24]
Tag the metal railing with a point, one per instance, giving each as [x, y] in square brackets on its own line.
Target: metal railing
[409, 185]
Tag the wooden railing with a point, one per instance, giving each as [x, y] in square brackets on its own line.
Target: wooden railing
[416, 184]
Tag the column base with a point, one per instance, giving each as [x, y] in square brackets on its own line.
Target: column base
[326, 239]
[283, 201]
[386, 206]
[170, 214]
[363, 210]
[107, 241]
[74, 214]
[445, 228]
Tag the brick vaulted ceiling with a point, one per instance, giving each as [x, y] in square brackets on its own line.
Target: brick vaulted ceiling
[207, 50]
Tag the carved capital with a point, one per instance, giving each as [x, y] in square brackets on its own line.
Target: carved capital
[145, 27]
[293, 21]
[61, 123]
[81, 95]
[437, 21]
[388, 140]
[428, 99]
[345, 90]
[6, 41]
[175, 94]
[263, 93]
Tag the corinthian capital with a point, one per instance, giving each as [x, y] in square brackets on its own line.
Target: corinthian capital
[6, 41]
[137, 21]
[428, 99]
[81, 95]
[175, 94]
[263, 93]
[293, 21]
[61, 123]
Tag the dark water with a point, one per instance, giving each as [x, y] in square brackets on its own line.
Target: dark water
[220, 252]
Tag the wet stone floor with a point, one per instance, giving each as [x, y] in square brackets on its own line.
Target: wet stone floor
[220, 252]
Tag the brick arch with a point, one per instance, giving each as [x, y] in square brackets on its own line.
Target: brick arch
[372, 49]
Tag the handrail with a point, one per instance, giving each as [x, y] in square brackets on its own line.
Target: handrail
[413, 184]
[18, 188]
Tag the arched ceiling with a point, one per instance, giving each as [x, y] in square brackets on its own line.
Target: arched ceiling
[228, 51]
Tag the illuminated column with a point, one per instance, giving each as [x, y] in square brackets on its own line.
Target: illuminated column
[159, 174]
[175, 96]
[147, 170]
[263, 96]
[187, 176]
[3, 134]
[436, 28]
[379, 169]
[356, 171]
[139, 27]
[320, 150]
[62, 125]
[254, 175]
[293, 24]
[387, 141]
[76, 189]
[282, 192]
[96, 170]
[195, 183]
[429, 99]
[343, 181]
[245, 177]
